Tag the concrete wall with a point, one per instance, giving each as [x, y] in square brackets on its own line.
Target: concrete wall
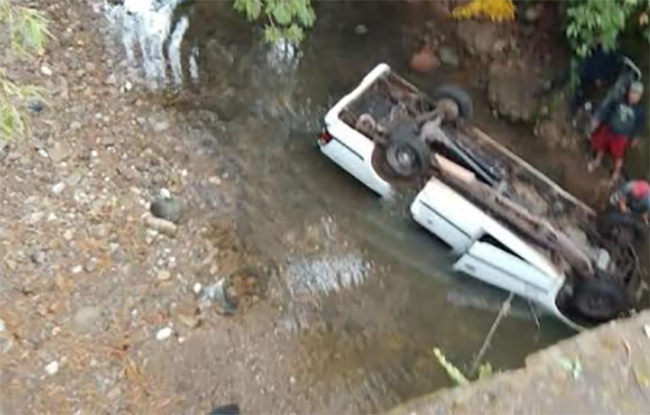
[602, 371]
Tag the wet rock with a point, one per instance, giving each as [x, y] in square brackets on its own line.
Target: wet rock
[161, 225]
[86, 318]
[36, 106]
[38, 257]
[58, 152]
[68, 234]
[169, 209]
[91, 265]
[164, 334]
[424, 61]
[230, 409]
[197, 288]
[52, 368]
[161, 126]
[187, 315]
[164, 275]
[165, 193]
[74, 178]
[128, 173]
[100, 231]
[34, 218]
[58, 188]
[361, 29]
[217, 294]
[449, 57]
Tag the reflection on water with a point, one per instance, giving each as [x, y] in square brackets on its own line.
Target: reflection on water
[152, 35]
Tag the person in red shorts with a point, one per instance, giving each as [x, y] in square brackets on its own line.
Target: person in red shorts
[617, 126]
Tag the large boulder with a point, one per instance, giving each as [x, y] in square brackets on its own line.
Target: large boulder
[483, 38]
[512, 88]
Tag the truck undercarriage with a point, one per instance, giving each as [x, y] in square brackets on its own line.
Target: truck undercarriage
[418, 137]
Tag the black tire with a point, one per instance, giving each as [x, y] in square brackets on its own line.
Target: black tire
[459, 96]
[613, 224]
[601, 299]
[406, 154]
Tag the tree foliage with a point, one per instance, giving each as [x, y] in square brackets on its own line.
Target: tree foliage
[591, 21]
[26, 31]
[285, 20]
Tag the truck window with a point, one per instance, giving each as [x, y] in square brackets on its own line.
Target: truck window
[489, 239]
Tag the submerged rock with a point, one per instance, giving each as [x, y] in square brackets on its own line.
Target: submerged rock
[169, 209]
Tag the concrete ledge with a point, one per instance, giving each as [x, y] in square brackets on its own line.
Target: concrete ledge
[602, 371]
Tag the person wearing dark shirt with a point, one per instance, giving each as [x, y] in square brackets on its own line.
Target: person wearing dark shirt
[601, 67]
[619, 125]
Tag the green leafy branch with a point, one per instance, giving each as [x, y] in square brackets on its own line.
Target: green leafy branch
[593, 21]
[286, 20]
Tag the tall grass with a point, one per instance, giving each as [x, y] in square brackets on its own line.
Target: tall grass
[26, 32]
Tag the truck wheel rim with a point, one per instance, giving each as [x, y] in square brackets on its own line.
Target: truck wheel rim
[402, 159]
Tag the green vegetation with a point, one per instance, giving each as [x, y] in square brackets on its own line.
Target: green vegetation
[591, 21]
[484, 371]
[26, 31]
[285, 19]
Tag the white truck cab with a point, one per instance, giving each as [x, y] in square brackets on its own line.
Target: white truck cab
[461, 195]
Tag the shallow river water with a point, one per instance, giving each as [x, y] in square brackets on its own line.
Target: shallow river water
[350, 263]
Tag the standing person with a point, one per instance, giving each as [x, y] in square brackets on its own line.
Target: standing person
[618, 125]
[634, 197]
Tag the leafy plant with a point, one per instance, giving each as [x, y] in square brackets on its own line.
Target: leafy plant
[13, 120]
[27, 32]
[495, 10]
[590, 22]
[285, 20]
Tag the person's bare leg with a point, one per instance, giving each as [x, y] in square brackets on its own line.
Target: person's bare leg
[595, 163]
[618, 166]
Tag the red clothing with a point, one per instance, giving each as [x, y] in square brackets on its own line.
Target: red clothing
[603, 139]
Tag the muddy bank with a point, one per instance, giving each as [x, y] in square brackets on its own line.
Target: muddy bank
[604, 370]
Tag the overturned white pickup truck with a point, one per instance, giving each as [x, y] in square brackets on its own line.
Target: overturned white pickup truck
[509, 225]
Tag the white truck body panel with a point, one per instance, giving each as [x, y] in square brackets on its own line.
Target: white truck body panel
[350, 149]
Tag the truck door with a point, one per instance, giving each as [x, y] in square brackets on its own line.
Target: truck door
[491, 261]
